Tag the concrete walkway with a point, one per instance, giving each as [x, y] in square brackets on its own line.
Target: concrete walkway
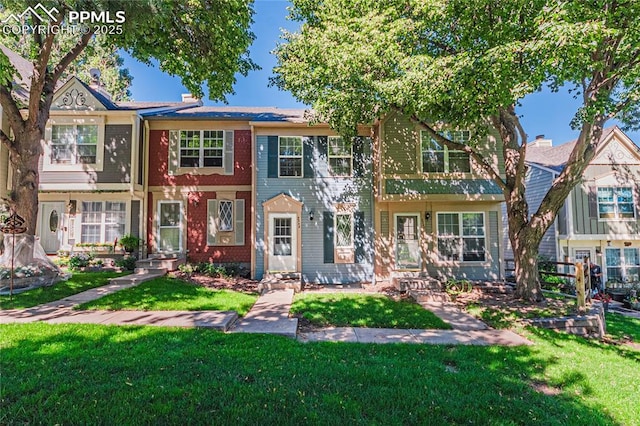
[269, 315]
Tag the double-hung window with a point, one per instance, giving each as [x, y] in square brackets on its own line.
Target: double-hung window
[615, 203]
[340, 153]
[102, 221]
[74, 144]
[290, 156]
[201, 148]
[437, 158]
[623, 264]
[461, 237]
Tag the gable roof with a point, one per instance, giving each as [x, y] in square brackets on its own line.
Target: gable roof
[556, 157]
[22, 80]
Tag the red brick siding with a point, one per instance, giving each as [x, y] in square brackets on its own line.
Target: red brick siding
[197, 232]
[159, 158]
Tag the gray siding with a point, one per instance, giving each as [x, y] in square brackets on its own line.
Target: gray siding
[135, 218]
[318, 193]
[400, 147]
[537, 182]
[585, 220]
[117, 161]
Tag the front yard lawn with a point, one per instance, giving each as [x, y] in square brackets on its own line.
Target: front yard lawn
[172, 294]
[363, 310]
[95, 374]
[79, 282]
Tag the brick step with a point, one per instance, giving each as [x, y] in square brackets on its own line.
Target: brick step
[418, 283]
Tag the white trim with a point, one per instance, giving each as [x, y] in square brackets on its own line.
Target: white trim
[395, 240]
[301, 156]
[446, 151]
[180, 227]
[615, 204]
[335, 227]
[47, 165]
[329, 157]
[461, 236]
[201, 158]
[80, 186]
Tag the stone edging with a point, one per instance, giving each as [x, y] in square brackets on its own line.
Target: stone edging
[590, 324]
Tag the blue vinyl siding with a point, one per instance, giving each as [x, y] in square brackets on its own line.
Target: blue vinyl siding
[318, 194]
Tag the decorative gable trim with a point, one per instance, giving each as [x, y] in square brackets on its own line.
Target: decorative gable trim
[74, 95]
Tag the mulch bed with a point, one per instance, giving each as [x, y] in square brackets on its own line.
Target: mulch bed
[243, 285]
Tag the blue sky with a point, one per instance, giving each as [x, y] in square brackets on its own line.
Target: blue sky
[541, 113]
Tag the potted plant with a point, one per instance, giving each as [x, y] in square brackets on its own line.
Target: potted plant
[129, 243]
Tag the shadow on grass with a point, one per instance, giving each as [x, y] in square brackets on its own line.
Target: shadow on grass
[81, 374]
[622, 327]
[171, 294]
[361, 310]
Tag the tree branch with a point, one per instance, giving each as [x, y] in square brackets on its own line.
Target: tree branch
[482, 162]
[10, 108]
[71, 56]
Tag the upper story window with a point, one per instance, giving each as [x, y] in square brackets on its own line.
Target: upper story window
[437, 158]
[615, 203]
[340, 155]
[461, 237]
[290, 156]
[201, 148]
[73, 144]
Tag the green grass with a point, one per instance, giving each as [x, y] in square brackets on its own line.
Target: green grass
[94, 374]
[172, 294]
[79, 282]
[501, 317]
[621, 327]
[363, 310]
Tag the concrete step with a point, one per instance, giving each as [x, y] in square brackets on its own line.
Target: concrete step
[266, 285]
[429, 296]
[170, 263]
[135, 278]
[145, 270]
[417, 283]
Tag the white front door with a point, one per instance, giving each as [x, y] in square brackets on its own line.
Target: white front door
[282, 242]
[51, 226]
[169, 226]
[407, 227]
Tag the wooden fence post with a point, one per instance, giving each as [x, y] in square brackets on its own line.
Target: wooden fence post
[580, 286]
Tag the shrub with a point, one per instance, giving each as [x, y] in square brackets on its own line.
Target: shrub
[129, 243]
[127, 262]
[80, 260]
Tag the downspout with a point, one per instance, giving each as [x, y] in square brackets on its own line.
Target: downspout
[252, 242]
[145, 189]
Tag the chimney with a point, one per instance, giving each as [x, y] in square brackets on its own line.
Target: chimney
[541, 142]
[189, 98]
[96, 84]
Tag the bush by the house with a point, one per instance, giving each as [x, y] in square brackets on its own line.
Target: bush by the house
[80, 260]
[213, 270]
[127, 262]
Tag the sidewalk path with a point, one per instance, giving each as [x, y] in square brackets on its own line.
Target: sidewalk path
[270, 314]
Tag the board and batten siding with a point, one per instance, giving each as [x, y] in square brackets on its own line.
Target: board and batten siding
[537, 181]
[402, 148]
[116, 164]
[135, 218]
[318, 192]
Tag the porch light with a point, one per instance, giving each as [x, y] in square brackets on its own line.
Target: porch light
[427, 215]
[311, 215]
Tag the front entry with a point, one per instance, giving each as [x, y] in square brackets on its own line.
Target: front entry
[51, 230]
[283, 243]
[169, 226]
[407, 227]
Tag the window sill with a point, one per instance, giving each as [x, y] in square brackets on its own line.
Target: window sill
[199, 171]
[93, 167]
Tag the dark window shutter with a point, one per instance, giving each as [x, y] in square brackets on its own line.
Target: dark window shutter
[358, 232]
[593, 201]
[272, 156]
[358, 161]
[308, 145]
[328, 236]
[323, 149]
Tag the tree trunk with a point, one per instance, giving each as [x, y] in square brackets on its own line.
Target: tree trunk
[525, 256]
[26, 179]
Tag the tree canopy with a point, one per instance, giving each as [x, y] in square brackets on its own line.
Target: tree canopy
[204, 42]
[468, 63]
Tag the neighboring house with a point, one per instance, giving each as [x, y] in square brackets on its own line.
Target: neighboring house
[313, 201]
[436, 215]
[92, 170]
[199, 194]
[600, 218]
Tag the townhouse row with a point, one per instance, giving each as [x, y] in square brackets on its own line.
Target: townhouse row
[263, 188]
